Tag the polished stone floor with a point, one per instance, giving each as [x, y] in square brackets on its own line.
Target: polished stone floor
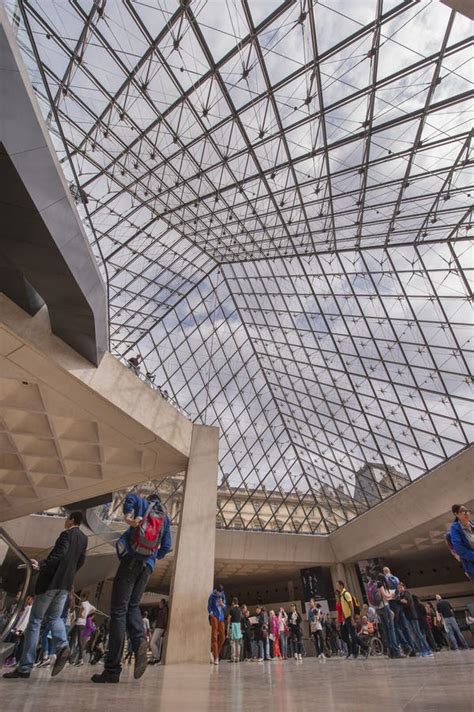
[444, 683]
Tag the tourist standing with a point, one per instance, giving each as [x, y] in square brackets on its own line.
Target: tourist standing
[406, 600]
[159, 631]
[294, 624]
[216, 606]
[234, 620]
[283, 632]
[348, 614]
[446, 612]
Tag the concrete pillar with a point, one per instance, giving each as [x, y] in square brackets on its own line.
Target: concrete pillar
[188, 636]
[348, 574]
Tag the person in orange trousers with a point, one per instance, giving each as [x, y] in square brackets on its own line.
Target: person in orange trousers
[216, 606]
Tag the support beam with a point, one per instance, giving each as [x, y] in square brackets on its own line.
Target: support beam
[188, 635]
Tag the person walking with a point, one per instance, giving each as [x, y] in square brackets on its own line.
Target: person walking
[315, 617]
[462, 538]
[78, 637]
[147, 539]
[159, 631]
[55, 580]
[446, 611]
[216, 606]
[234, 620]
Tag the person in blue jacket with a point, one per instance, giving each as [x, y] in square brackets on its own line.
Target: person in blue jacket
[216, 606]
[129, 586]
[462, 538]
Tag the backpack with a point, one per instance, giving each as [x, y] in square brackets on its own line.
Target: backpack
[145, 539]
[373, 594]
[355, 603]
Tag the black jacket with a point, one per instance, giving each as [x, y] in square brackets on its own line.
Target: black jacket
[66, 557]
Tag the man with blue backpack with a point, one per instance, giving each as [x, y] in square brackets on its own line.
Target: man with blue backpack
[147, 539]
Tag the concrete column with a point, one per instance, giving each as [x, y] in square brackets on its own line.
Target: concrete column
[348, 574]
[188, 636]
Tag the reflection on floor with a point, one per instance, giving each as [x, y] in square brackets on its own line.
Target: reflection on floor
[443, 683]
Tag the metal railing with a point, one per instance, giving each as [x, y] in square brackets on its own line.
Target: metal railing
[15, 577]
[149, 380]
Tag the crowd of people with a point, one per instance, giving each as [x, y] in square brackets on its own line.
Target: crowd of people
[147, 539]
[55, 627]
[397, 619]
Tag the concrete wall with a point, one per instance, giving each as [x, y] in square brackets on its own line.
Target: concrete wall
[429, 497]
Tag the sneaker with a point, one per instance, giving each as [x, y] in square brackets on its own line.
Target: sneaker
[105, 677]
[61, 660]
[45, 663]
[141, 659]
[15, 675]
[296, 656]
[211, 658]
[260, 660]
[300, 658]
[216, 662]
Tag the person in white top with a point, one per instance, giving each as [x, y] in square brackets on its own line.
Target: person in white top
[283, 632]
[85, 610]
[19, 629]
[24, 616]
[146, 623]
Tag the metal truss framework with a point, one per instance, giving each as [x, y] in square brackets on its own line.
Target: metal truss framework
[280, 199]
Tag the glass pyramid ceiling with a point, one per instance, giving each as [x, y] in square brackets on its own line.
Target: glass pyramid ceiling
[280, 197]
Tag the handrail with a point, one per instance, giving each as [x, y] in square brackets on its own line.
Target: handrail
[149, 380]
[24, 591]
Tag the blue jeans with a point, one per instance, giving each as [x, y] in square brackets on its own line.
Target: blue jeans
[129, 586]
[386, 618]
[49, 606]
[403, 632]
[46, 643]
[420, 639]
[283, 645]
[454, 633]
[264, 648]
